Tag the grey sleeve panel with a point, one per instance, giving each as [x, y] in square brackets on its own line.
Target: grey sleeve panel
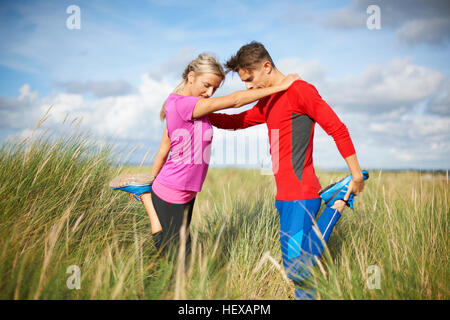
[301, 135]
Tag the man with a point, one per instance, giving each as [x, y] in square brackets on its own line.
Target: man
[290, 117]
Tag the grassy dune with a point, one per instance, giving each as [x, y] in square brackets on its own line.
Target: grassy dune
[56, 210]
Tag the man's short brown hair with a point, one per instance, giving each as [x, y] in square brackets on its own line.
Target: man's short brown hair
[248, 56]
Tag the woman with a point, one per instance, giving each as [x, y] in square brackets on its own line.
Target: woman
[188, 135]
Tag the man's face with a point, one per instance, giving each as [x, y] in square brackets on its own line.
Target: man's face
[256, 78]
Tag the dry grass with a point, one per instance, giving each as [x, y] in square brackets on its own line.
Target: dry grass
[57, 211]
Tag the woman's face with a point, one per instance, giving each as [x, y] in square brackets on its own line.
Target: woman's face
[203, 85]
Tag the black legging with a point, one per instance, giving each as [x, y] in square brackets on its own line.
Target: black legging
[171, 218]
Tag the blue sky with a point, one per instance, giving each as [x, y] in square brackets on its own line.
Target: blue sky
[390, 86]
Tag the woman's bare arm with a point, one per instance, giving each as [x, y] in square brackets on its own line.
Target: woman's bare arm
[163, 153]
[146, 198]
[239, 98]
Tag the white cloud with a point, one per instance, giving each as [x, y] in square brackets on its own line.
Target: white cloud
[415, 22]
[430, 30]
[123, 117]
[383, 108]
[133, 117]
[311, 71]
[346, 18]
[384, 88]
[19, 112]
[378, 89]
[378, 107]
[439, 104]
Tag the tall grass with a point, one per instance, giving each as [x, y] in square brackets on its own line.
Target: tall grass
[401, 227]
[56, 210]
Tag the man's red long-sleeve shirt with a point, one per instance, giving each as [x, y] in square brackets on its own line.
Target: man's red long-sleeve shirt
[290, 117]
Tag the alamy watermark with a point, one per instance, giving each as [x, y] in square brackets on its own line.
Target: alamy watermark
[74, 20]
[74, 280]
[248, 147]
[374, 20]
[374, 277]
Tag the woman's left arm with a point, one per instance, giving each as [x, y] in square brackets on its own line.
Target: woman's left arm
[162, 155]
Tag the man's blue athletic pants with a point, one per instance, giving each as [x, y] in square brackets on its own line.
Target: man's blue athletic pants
[300, 240]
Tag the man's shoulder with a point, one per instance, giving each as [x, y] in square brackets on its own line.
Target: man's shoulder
[300, 86]
[301, 90]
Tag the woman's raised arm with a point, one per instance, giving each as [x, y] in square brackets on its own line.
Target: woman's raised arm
[240, 98]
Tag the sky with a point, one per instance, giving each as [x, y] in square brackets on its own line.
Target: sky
[384, 71]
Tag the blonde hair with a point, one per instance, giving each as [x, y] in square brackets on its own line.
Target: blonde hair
[205, 63]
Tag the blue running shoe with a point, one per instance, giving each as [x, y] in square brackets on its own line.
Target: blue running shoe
[135, 191]
[135, 185]
[337, 191]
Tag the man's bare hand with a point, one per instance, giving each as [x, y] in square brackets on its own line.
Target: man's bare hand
[355, 186]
